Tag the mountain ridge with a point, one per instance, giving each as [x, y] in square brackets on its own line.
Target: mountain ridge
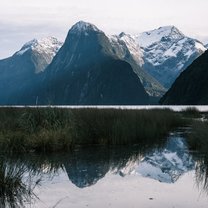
[167, 52]
[40, 65]
[87, 71]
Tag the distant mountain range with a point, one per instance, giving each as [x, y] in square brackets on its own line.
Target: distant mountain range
[191, 87]
[95, 69]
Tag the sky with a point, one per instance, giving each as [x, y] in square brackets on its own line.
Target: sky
[24, 20]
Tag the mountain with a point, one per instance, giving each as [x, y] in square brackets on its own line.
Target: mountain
[191, 87]
[21, 69]
[93, 68]
[87, 71]
[128, 50]
[167, 52]
[206, 46]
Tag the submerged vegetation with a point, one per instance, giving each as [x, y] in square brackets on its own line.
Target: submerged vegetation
[56, 129]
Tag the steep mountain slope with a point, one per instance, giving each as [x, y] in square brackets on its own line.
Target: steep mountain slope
[128, 50]
[191, 87]
[21, 69]
[206, 46]
[86, 70]
[167, 52]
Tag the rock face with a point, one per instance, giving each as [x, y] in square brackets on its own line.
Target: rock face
[167, 52]
[22, 69]
[191, 87]
[86, 71]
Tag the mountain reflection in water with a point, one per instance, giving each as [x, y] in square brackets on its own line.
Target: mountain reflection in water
[165, 161]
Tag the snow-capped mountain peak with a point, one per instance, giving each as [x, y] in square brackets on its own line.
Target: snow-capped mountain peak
[148, 38]
[127, 41]
[167, 52]
[41, 52]
[49, 45]
[82, 26]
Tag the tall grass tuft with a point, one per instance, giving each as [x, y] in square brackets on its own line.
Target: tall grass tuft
[198, 143]
[56, 129]
[198, 138]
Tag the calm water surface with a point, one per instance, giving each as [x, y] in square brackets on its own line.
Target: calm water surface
[163, 174]
[201, 108]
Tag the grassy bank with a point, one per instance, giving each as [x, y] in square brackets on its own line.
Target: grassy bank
[52, 129]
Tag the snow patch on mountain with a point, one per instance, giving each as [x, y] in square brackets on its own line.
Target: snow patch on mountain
[200, 46]
[125, 40]
[166, 42]
[149, 38]
[126, 48]
[49, 45]
[41, 52]
[83, 27]
[167, 52]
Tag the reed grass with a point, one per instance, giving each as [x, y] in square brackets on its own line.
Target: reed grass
[198, 138]
[191, 112]
[56, 129]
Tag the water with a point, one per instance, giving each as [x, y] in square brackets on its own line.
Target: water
[202, 108]
[152, 174]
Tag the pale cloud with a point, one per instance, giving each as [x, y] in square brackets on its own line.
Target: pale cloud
[22, 20]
